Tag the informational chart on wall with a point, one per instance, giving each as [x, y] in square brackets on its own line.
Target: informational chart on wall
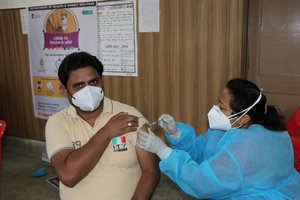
[54, 32]
[118, 37]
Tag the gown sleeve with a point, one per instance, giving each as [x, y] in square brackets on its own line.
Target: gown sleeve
[188, 141]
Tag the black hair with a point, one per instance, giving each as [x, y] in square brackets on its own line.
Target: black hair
[244, 94]
[75, 61]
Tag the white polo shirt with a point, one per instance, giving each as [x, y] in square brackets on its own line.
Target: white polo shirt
[117, 172]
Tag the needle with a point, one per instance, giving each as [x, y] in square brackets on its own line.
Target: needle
[153, 125]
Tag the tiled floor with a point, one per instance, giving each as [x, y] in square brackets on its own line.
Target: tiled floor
[21, 157]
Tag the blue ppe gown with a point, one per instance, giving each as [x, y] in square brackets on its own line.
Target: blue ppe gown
[238, 164]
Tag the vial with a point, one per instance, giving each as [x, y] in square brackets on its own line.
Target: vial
[64, 24]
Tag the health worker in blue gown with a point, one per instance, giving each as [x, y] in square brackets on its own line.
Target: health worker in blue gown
[244, 155]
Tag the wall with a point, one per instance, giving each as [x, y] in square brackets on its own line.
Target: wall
[201, 44]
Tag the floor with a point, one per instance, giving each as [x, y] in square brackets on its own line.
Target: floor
[22, 157]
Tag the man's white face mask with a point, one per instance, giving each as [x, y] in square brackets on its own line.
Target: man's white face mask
[218, 120]
[88, 98]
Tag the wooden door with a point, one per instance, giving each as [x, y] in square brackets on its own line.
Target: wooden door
[274, 51]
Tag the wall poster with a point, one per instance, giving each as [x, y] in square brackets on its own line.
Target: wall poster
[54, 32]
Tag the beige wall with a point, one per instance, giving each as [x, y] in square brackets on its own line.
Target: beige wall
[201, 44]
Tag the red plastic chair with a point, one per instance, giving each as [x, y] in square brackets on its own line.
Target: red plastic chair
[293, 127]
[2, 129]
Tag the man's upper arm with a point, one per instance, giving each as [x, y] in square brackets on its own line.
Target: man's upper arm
[57, 137]
[148, 161]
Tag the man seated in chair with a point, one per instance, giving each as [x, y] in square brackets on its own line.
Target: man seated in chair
[91, 144]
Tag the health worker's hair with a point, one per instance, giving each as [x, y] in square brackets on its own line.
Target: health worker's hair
[244, 94]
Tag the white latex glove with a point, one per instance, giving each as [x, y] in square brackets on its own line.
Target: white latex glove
[150, 142]
[168, 123]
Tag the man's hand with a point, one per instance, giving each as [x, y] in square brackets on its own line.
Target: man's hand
[120, 124]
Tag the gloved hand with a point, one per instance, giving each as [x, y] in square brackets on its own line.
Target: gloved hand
[168, 123]
[150, 142]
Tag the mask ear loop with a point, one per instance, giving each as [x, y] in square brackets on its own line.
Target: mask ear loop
[266, 109]
[71, 95]
[266, 105]
[247, 109]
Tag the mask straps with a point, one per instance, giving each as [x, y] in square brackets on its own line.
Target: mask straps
[245, 110]
[70, 94]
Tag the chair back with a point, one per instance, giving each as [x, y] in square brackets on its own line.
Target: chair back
[2, 128]
[293, 127]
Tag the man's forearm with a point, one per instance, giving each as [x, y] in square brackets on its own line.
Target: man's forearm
[79, 163]
[146, 185]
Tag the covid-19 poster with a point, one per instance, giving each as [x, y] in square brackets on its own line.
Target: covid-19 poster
[54, 32]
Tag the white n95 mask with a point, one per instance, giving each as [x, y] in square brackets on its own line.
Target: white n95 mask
[218, 120]
[88, 98]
